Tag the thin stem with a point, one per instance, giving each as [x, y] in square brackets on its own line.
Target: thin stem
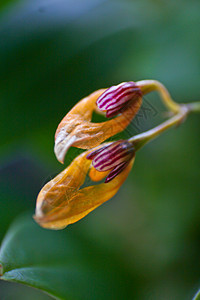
[194, 107]
[141, 139]
[148, 86]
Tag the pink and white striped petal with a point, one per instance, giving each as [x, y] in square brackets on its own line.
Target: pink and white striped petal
[114, 157]
[116, 97]
[116, 171]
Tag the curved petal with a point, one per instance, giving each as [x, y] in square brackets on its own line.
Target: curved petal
[76, 128]
[61, 202]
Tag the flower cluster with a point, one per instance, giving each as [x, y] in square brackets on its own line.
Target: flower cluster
[64, 200]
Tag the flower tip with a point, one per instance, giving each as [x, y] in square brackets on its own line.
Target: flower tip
[48, 225]
[60, 155]
[62, 144]
[43, 219]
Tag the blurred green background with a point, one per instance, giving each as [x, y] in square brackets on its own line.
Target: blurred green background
[53, 53]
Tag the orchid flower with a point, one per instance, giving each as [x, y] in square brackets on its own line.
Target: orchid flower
[63, 200]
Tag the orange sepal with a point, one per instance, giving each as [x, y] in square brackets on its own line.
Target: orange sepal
[61, 201]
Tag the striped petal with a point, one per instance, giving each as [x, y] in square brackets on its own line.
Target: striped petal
[116, 171]
[115, 157]
[116, 97]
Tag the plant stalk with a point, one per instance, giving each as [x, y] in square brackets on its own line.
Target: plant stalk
[148, 86]
[141, 139]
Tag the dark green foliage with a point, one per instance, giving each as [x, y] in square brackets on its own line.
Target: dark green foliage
[145, 243]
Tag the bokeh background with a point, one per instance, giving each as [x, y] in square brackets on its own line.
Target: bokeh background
[53, 53]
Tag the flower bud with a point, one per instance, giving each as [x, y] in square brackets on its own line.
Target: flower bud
[117, 98]
[114, 157]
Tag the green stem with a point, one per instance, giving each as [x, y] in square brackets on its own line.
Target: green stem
[141, 139]
[148, 86]
[180, 112]
[194, 107]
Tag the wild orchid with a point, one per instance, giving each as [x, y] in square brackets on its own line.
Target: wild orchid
[63, 200]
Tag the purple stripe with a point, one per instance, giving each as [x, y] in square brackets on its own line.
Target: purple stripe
[119, 109]
[105, 165]
[109, 149]
[115, 111]
[124, 152]
[115, 96]
[113, 92]
[116, 100]
[92, 154]
[116, 171]
[106, 149]
[110, 91]
[113, 150]
[106, 155]
[123, 96]
[115, 161]
[120, 99]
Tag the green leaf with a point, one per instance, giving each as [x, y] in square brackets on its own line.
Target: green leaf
[5, 3]
[197, 296]
[62, 263]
